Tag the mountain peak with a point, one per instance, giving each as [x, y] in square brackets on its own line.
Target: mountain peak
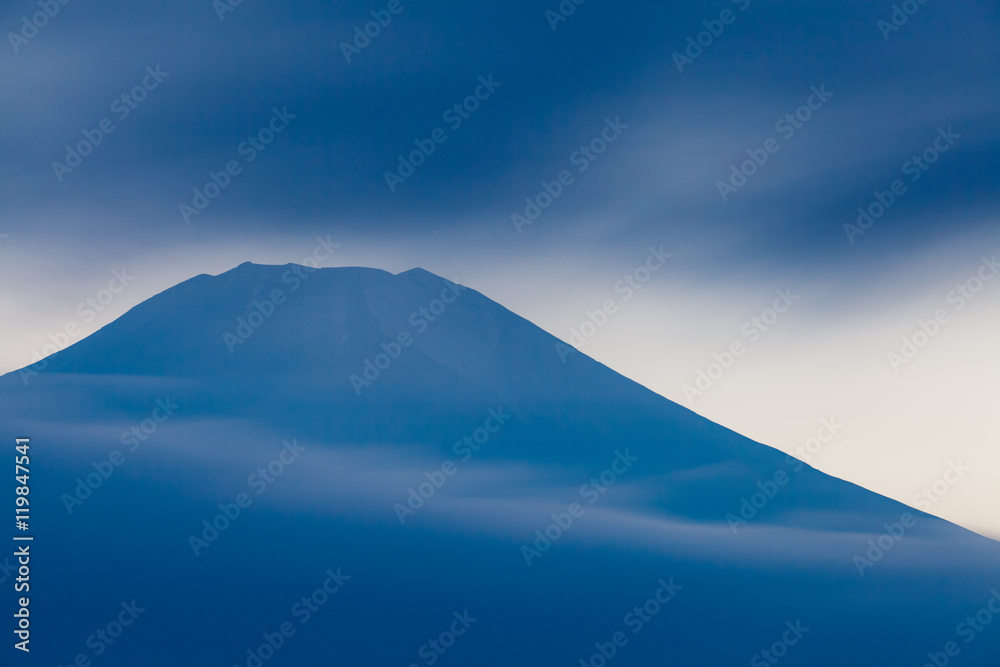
[288, 336]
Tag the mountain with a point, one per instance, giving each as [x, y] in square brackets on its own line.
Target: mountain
[281, 465]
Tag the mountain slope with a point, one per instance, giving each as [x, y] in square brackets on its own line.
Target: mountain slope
[440, 431]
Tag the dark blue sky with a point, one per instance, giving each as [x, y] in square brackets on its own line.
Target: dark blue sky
[557, 87]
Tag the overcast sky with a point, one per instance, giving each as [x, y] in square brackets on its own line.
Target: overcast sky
[646, 127]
